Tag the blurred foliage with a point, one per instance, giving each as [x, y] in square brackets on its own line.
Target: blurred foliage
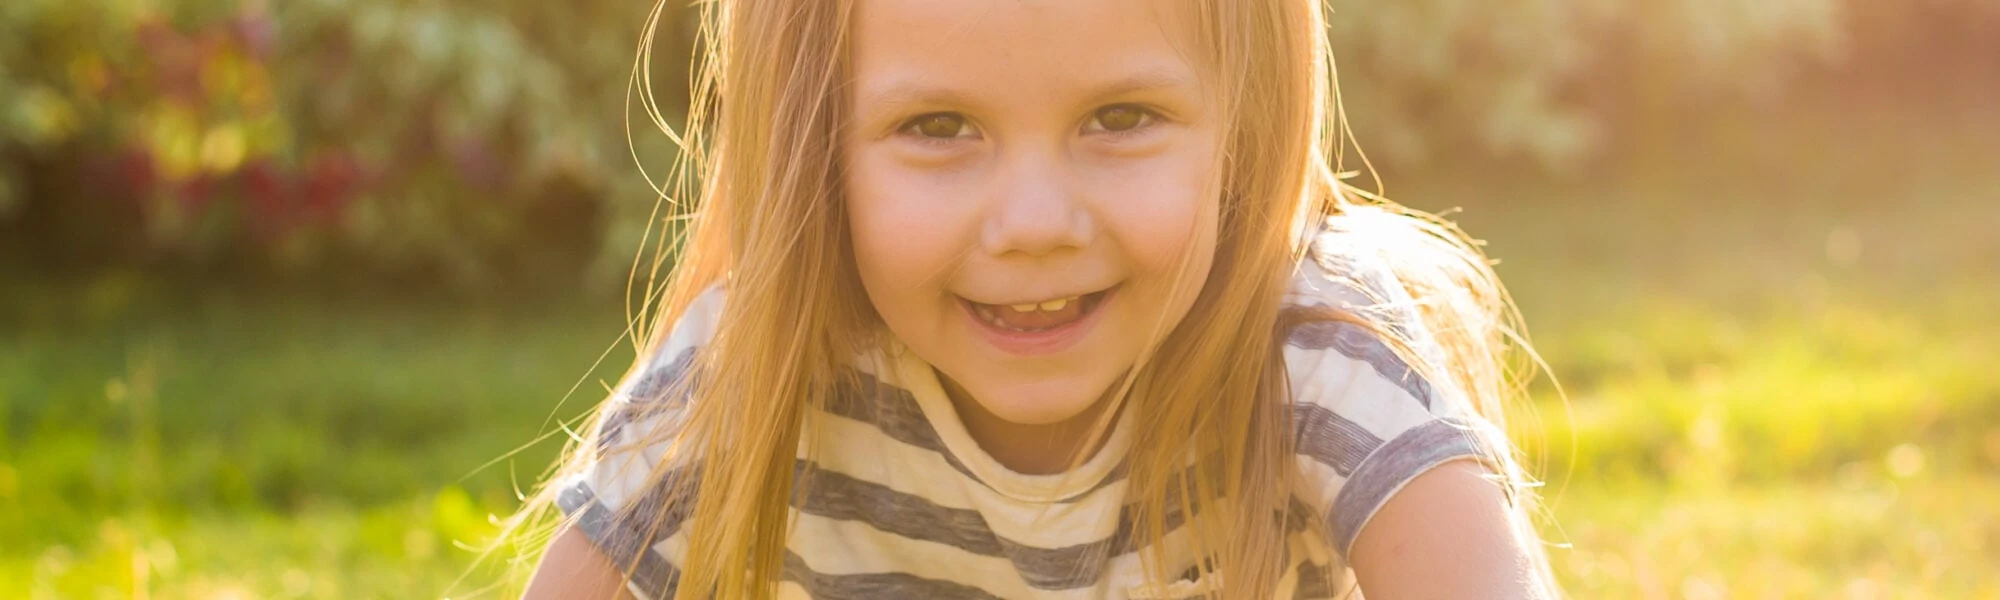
[466, 143]
[1558, 81]
[458, 140]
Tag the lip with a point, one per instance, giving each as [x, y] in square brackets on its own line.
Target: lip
[1039, 343]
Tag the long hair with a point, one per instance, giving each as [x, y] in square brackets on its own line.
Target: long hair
[768, 223]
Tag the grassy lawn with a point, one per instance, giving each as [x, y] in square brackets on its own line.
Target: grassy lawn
[1770, 393]
[277, 451]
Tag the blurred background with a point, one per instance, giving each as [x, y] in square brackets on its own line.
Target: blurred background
[289, 290]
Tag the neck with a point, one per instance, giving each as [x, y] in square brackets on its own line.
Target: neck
[1031, 449]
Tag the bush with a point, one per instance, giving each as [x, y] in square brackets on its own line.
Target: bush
[469, 142]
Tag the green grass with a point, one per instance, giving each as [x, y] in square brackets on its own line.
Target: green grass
[281, 451]
[1931, 535]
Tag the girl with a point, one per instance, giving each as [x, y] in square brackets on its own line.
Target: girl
[1045, 299]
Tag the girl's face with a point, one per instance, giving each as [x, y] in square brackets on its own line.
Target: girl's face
[1027, 181]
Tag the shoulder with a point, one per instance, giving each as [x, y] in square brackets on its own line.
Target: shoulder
[1351, 323]
[670, 359]
[648, 402]
[657, 382]
[618, 496]
[1366, 419]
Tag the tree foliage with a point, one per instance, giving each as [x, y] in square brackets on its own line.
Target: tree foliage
[469, 141]
[1521, 77]
[476, 140]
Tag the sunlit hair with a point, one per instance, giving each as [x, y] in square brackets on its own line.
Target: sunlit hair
[768, 222]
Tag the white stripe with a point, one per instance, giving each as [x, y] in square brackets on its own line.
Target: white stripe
[1317, 483]
[698, 323]
[864, 452]
[836, 547]
[620, 475]
[1353, 390]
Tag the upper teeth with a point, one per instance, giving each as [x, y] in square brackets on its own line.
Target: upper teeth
[1052, 305]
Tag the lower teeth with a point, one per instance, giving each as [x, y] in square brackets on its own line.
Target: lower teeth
[995, 319]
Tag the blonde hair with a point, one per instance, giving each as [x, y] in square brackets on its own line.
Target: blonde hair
[762, 138]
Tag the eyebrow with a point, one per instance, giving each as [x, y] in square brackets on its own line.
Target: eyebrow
[1147, 80]
[913, 92]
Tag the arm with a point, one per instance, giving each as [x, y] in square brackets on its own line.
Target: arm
[573, 568]
[1445, 535]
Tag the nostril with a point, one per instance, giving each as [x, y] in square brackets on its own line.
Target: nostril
[1041, 220]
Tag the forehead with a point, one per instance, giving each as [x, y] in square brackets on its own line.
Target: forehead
[985, 46]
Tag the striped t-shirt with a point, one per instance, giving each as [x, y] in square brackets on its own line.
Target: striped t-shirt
[902, 503]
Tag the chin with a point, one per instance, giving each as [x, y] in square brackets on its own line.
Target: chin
[1041, 403]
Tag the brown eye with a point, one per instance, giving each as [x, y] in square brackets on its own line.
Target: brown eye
[1123, 117]
[940, 125]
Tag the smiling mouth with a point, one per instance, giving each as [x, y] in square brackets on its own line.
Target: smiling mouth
[1036, 317]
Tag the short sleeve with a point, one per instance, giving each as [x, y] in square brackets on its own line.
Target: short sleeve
[617, 498]
[1366, 422]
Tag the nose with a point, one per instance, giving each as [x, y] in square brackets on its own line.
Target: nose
[1035, 209]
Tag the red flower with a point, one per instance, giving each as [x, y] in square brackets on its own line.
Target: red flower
[194, 195]
[270, 198]
[331, 180]
[134, 175]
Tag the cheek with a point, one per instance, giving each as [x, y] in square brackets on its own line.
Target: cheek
[1162, 208]
[905, 239]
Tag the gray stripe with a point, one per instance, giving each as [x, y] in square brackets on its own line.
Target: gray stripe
[835, 495]
[1331, 439]
[620, 542]
[1371, 289]
[653, 502]
[872, 586]
[889, 408]
[1315, 582]
[1298, 516]
[893, 411]
[1402, 459]
[1358, 343]
[645, 399]
[659, 578]
[659, 376]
